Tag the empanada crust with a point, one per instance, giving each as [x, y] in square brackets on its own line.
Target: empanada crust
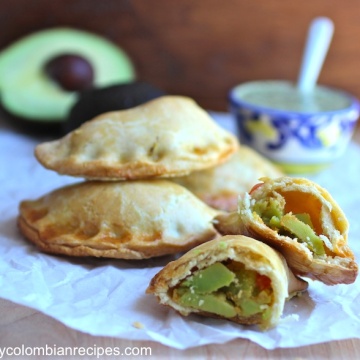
[253, 254]
[220, 186]
[165, 137]
[128, 220]
[337, 266]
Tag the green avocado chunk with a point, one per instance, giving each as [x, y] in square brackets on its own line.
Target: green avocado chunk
[245, 282]
[305, 218]
[249, 307]
[210, 279]
[225, 289]
[303, 232]
[244, 293]
[213, 303]
[270, 210]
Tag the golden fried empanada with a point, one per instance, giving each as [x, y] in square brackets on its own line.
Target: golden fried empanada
[233, 277]
[128, 220]
[300, 219]
[220, 186]
[168, 136]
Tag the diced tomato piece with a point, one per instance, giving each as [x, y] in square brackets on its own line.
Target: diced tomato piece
[263, 282]
[256, 187]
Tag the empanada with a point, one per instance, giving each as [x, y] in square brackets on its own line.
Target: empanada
[128, 220]
[168, 136]
[300, 219]
[233, 277]
[220, 186]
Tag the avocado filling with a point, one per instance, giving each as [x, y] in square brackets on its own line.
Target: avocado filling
[226, 289]
[272, 212]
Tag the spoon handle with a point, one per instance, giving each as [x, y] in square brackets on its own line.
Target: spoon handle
[318, 41]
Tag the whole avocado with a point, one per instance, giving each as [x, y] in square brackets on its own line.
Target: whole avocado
[94, 102]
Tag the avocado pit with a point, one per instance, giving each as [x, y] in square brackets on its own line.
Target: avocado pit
[72, 72]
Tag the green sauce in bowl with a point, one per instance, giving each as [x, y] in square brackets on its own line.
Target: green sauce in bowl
[283, 95]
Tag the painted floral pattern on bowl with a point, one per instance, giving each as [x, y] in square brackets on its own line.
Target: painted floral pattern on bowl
[300, 142]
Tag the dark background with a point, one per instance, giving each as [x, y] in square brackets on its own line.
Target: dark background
[201, 48]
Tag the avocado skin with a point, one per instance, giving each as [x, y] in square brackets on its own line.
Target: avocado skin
[94, 102]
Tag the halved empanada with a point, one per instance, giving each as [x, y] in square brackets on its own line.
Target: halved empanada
[220, 186]
[168, 136]
[301, 220]
[233, 277]
[128, 220]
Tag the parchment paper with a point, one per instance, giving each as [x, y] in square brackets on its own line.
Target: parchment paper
[107, 297]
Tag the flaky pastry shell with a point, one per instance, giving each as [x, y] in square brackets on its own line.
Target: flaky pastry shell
[127, 220]
[168, 136]
[220, 186]
[301, 195]
[254, 254]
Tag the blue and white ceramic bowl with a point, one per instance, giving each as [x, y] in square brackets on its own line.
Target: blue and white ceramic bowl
[301, 136]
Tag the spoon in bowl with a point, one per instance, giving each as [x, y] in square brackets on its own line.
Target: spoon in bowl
[317, 44]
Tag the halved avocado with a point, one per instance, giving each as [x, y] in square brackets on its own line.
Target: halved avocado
[29, 92]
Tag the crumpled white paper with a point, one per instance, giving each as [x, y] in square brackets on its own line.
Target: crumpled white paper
[107, 297]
